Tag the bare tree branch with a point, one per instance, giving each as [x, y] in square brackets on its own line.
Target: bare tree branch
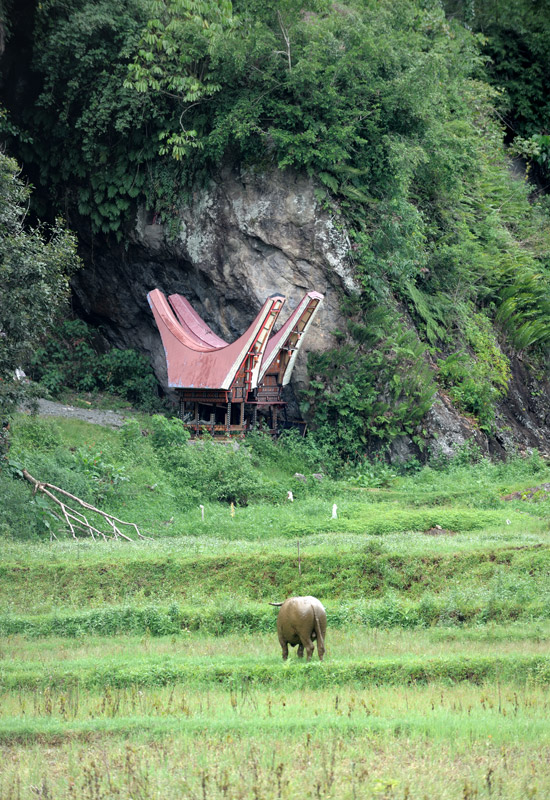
[76, 520]
[287, 41]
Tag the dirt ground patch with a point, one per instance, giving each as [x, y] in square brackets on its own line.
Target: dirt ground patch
[111, 419]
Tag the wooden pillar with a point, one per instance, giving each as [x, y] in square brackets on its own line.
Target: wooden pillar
[242, 416]
[228, 416]
[196, 417]
[213, 421]
[182, 408]
[274, 413]
[255, 416]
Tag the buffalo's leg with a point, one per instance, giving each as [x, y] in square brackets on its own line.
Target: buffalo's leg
[284, 646]
[321, 648]
[300, 651]
[308, 644]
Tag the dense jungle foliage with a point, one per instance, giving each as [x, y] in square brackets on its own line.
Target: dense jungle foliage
[399, 111]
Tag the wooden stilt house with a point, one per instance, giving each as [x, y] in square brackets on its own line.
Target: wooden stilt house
[222, 385]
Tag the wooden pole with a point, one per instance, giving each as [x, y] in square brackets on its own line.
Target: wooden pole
[228, 418]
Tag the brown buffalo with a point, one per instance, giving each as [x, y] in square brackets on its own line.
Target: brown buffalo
[301, 621]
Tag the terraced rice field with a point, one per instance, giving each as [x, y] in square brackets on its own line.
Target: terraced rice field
[152, 669]
[164, 680]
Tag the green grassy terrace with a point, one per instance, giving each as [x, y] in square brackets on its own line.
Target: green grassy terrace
[152, 668]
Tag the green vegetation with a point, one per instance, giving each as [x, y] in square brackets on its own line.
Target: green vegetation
[353, 754]
[69, 359]
[516, 39]
[389, 107]
[126, 660]
[147, 467]
[374, 387]
[35, 266]
[146, 668]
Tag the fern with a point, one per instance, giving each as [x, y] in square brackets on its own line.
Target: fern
[329, 180]
[429, 309]
[525, 310]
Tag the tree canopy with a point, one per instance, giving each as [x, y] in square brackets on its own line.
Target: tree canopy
[35, 266]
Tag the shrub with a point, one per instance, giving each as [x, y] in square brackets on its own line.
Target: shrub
[373, 388]
[204, 469]
[70, 359]
[131, 434]
[19, 518]
[168, 432]
[215, 471]
[294, 452]
[103, 477]
[374, 473]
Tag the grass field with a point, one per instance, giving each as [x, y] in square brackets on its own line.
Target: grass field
[151, 669]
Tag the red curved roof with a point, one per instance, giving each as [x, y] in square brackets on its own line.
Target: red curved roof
[189, 318]
[198, 359]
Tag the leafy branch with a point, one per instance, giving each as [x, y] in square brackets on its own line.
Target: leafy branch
[174, 59]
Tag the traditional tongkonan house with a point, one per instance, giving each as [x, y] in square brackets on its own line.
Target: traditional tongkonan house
[222, 385]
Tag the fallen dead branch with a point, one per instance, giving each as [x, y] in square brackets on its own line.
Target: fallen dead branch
[76, 520]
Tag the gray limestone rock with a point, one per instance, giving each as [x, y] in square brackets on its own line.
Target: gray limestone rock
[449, 430]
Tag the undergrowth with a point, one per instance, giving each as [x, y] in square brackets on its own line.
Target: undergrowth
[73, 356]
[149, 473]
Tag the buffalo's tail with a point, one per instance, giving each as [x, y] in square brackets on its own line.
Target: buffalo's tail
[319, 634]
[275, 604]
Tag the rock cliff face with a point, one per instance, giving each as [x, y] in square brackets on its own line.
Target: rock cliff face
[246, 236]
